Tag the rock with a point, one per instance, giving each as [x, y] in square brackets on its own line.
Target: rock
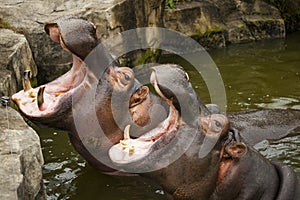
[21, 158]
[262, 19]
[200, 20]
[290, 12]
[216, 23]
[110, 17]
[16, 58]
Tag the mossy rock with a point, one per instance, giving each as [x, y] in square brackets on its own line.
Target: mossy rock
[148, 56]
[4, 24]
[212, 30]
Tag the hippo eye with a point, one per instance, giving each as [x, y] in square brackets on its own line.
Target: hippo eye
[218, 124]
[127, 77]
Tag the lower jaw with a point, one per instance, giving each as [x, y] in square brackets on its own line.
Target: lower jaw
[54, 93]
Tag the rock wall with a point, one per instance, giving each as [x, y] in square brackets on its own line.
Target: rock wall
[213, 23]
[110, 17]
[21, 158]
[216, 23]
[290, 12]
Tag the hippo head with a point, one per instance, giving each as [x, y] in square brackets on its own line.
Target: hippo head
[184, 126]
[51, 104]
[74, 34]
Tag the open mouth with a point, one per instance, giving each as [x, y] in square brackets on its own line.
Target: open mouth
[132, 150]
[47, 99]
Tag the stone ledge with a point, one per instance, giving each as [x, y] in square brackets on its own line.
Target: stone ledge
[216, 23]
[21, 157]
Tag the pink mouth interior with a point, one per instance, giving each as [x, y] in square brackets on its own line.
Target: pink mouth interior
[54, 93]
[141, 146]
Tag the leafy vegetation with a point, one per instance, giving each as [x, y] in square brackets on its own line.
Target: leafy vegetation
[171, 4]
[148, 56]
[213, 30]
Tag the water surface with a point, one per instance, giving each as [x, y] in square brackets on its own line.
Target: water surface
[264, 74]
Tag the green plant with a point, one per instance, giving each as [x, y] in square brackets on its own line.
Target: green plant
[4, 24]
[147, 56]
[213, 30]
[171, 4]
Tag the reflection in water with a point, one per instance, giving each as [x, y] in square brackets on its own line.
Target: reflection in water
[281, 102]
[257, 75]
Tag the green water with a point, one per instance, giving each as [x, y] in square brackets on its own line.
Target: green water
[264, 74]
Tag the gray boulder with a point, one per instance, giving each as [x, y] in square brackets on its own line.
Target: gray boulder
[16, 57]
[110, 17]
[216, 23]
[21, 158]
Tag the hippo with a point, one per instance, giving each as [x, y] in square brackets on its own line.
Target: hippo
[53, 104]
[50, 103]
[231, 170]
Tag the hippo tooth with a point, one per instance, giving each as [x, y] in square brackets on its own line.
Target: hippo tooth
[131, 150]
[126, 132]
[40, 97]
[123, 144]
[26, 81]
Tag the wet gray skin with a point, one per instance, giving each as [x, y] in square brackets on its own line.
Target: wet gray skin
[55, 103]
[231, 170]
[269, 124]
[51, 104]
[172, 84]
[253, 126]
[91, 142]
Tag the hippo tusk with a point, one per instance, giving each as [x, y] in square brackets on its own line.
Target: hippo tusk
[126, 132]
[26, 81]
[40, 97]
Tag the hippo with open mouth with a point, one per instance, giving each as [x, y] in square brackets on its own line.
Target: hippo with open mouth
[231, 170]
[50, 103]
[56, 103]
[53, 104]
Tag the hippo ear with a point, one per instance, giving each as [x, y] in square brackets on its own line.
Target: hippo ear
[236, 150]
[139, 96]
[53, 31]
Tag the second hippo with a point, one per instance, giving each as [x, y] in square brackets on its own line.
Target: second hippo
[231, 170]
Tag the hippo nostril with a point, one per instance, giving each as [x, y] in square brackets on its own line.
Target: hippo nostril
[111, 71]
